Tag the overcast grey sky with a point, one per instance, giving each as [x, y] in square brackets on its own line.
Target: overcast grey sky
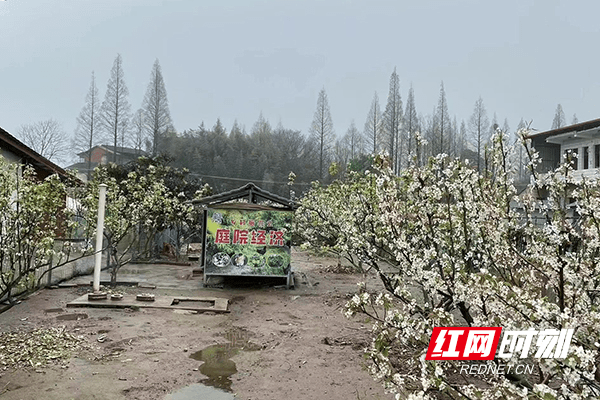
[235, 59]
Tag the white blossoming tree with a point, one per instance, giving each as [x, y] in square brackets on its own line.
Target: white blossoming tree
[33, 215]
[455, 247]
[142, 199]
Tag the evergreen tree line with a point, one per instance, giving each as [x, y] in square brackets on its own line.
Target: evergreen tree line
[227, 160]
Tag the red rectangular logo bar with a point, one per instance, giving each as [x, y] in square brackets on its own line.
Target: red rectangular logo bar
[463, 343]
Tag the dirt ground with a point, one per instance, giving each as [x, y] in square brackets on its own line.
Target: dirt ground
[274, 343]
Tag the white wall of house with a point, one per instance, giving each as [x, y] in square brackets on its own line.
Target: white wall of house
[586, 148]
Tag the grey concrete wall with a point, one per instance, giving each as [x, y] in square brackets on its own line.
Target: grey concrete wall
[82, 266]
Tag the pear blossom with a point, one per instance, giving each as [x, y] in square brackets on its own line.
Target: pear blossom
[454, 247]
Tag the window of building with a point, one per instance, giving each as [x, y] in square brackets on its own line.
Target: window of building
[586, 158]
[597, 156]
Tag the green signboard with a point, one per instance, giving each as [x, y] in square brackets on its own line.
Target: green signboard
[248, 242]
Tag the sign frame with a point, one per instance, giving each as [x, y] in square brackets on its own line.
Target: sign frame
[247, 240]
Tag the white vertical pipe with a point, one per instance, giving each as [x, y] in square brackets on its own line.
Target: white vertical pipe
[99, 233]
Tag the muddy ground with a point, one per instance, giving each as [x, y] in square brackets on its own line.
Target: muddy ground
[274, 344]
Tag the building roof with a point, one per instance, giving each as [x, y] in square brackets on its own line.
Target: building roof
[13, 145]
[579, 127]
[79, 166]
[111, 149]
[252, 194]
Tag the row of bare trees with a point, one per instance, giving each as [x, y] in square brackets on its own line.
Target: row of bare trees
[108, 121]
[405, 135]
[409, 137]
[112, 119]
[559, 119]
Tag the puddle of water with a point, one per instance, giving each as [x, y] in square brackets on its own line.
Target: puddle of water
[72, 317]
[217, 365]
[199, 391]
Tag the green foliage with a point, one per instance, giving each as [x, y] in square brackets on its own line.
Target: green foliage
[263, 155]
[360, 163]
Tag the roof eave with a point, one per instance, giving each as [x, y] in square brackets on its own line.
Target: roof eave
[17, 147]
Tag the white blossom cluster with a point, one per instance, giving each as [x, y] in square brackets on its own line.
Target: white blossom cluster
[455, 247]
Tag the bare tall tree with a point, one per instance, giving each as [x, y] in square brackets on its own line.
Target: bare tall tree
[411, 124]
[444, 133]
[559, 118]
[157, 117]
[479, 127]
[494, 125]
[454, 132]
[506, 131]
[392, 121]
[138, 133]
[461, 142]
[506, 126]
[321, 130]
[47, 138]
[373, 131]
[88, 123]
[429, 128]
[353, 141]
[521, 170]
[421, 144]
[341, 154]
[115, 109]
[261, 129]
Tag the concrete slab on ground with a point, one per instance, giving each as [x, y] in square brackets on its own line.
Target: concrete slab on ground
[199, 304]
[164, 276]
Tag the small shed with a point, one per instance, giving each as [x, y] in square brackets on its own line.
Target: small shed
[247, 232]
